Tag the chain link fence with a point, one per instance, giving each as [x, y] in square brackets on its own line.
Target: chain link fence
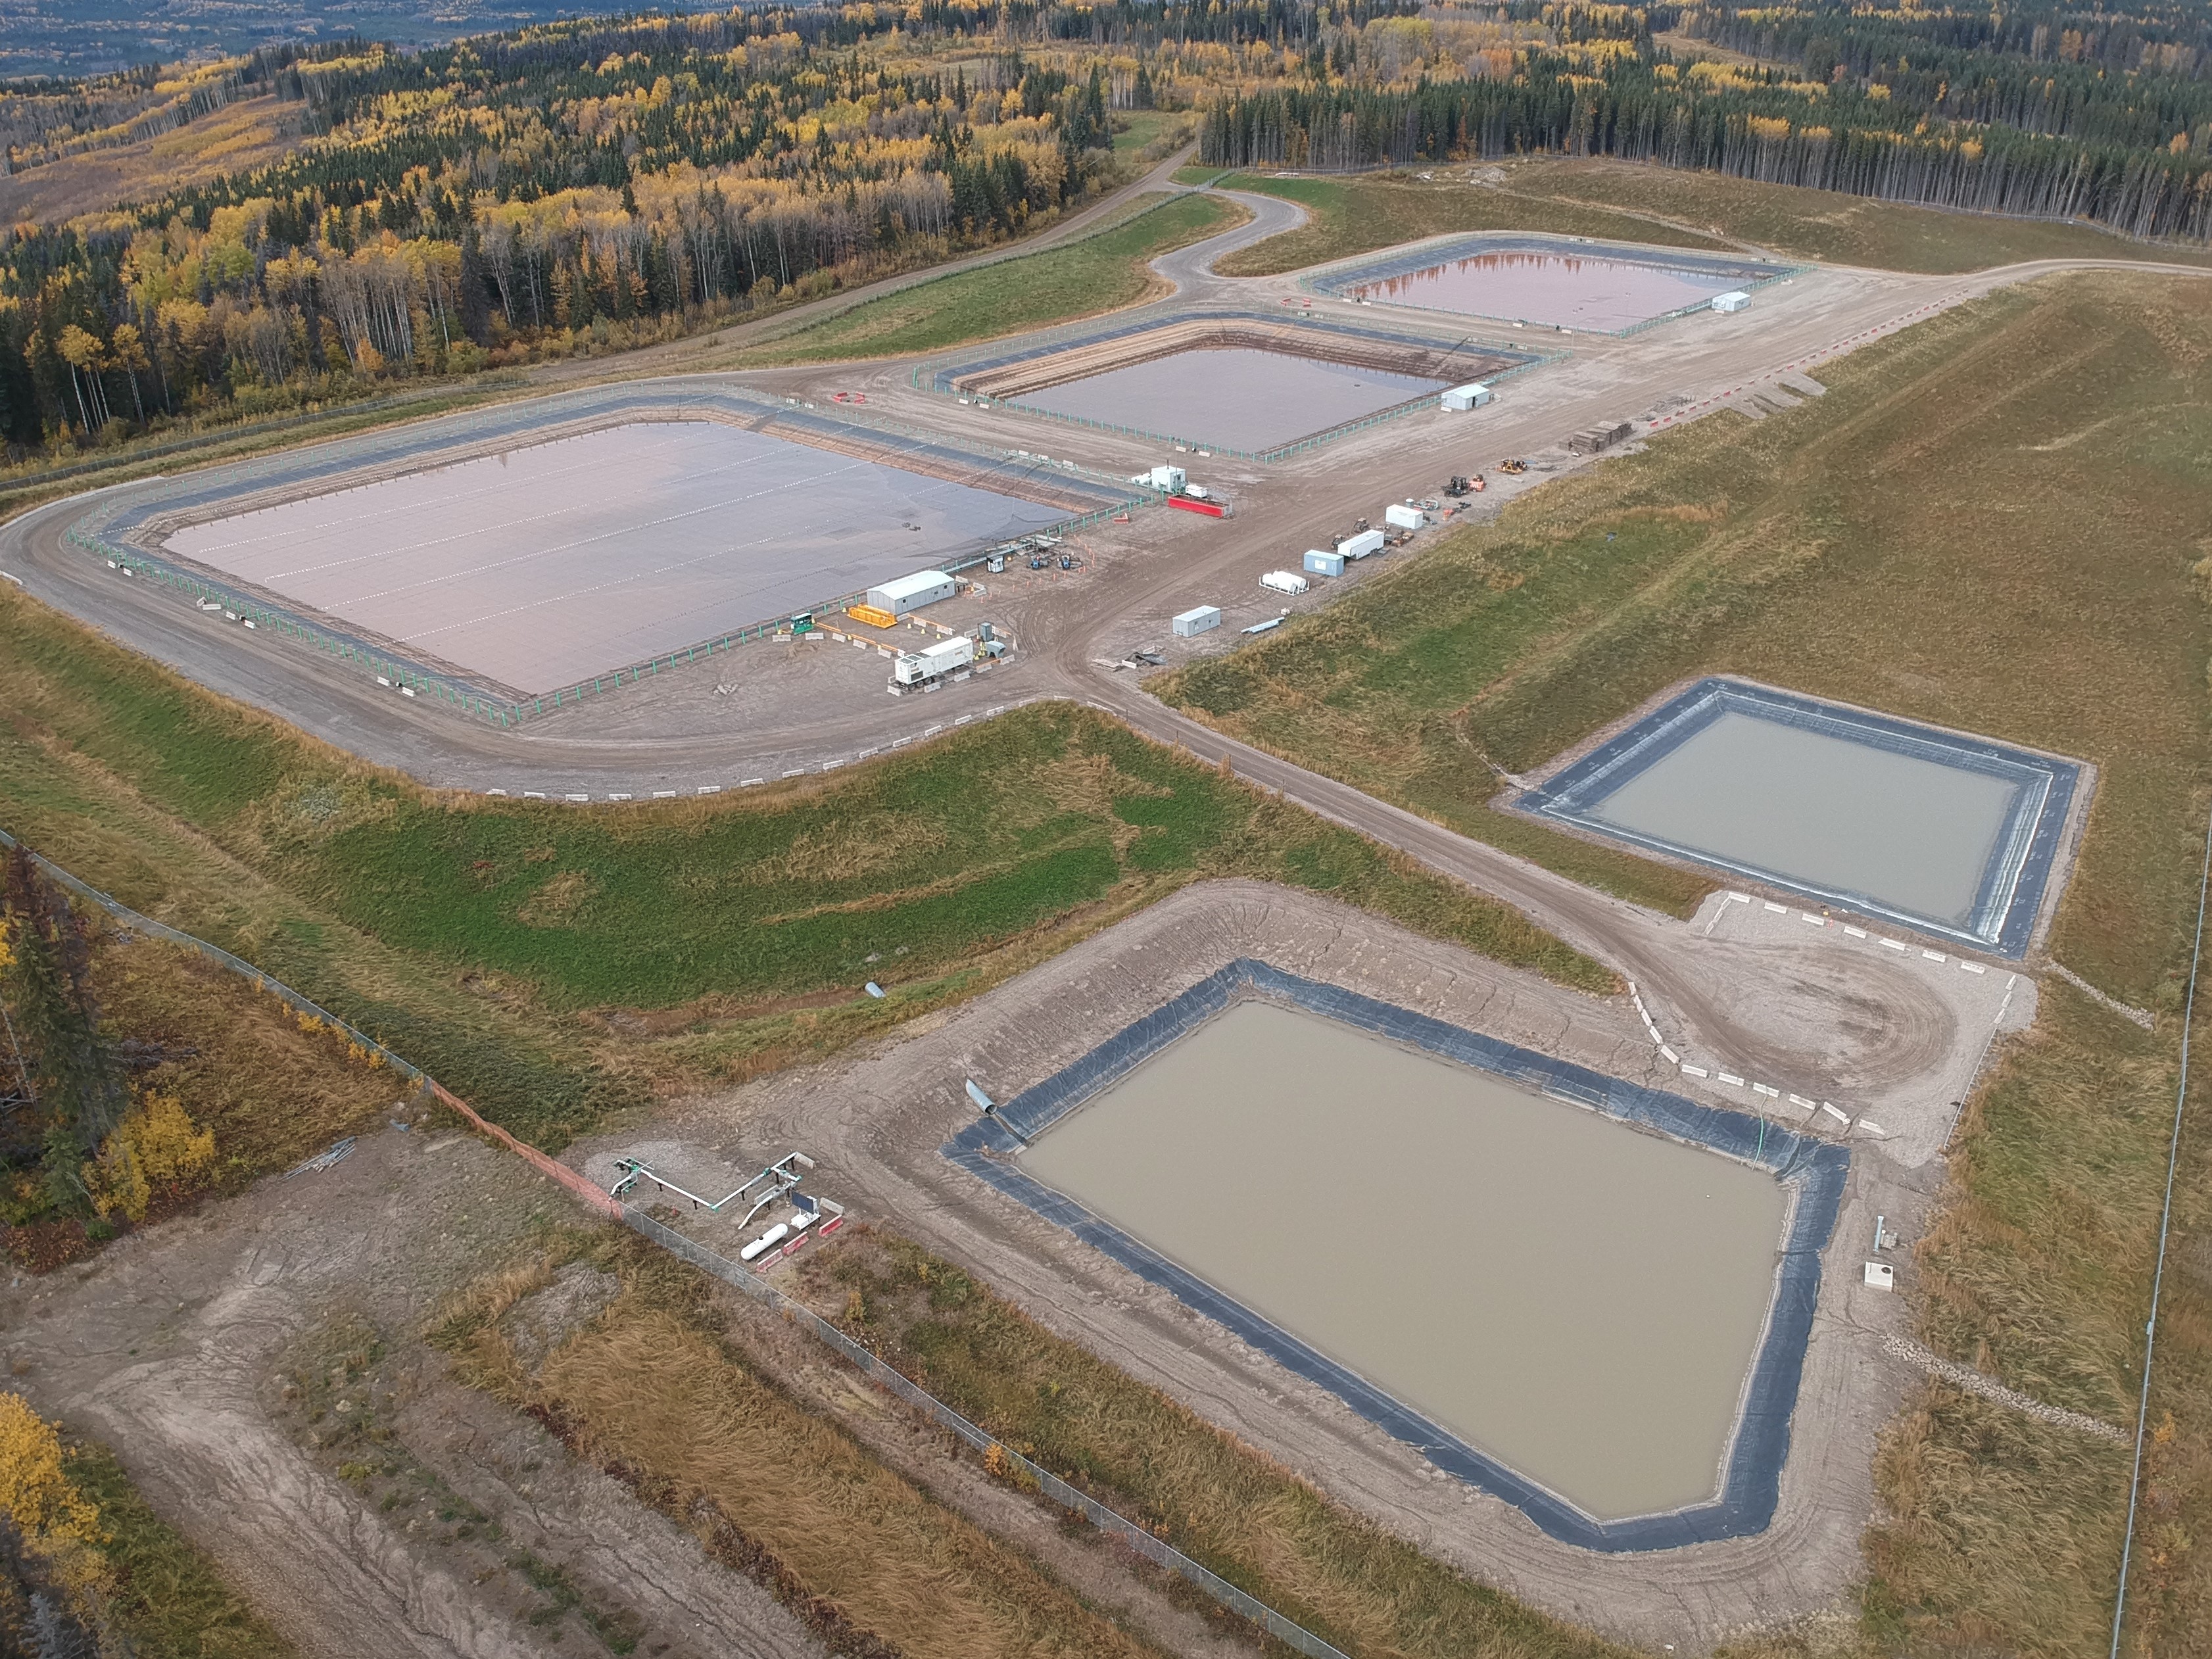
[1027, 1473]
[939, 374]
[749, 1284]
[117, 529]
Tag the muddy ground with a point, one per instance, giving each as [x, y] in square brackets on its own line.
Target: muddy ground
[261, 1370]
[875, 1119]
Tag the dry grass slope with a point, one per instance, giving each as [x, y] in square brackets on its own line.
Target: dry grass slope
[1622, 201]
[654, 1389]
[1225, 1503]
[1996, 521]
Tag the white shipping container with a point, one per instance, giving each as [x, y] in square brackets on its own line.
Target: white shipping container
[1404, 518]
[1467, 396]
[912, 593]
[912, 667]
[1285, 582]
[1736, 299]
[1201, 620]
[1324, 564]
[1359, 546]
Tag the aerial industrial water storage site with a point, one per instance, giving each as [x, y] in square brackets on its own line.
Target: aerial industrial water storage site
[1560, 1279]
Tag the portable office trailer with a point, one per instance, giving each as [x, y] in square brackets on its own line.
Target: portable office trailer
[1319, 563]
[1404, 518]
[1200, 620]
[912, 593]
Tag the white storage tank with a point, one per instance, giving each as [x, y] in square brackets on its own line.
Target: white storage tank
[912, 593]
[1404, 518]
[1735, 300]
[1359, 546]
[1467, 396]
[1324, 564]
[767, 1242]
[1202, 619]
[1285, 582]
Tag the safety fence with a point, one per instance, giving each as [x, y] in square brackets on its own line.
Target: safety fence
[1335, 283]
[750, 1285]
[939, 374]
[1026, 1471]
[106, 531]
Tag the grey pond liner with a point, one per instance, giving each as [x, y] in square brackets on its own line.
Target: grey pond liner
[1813, 1170]
[1492, 362]
[1750, 275]
[115, 522]
[2012, 883]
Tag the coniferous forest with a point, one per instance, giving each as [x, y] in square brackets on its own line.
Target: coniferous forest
[594, 183]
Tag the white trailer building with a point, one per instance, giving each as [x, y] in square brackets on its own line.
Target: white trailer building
[1202, 619]
[1467, 396]
[912, 593]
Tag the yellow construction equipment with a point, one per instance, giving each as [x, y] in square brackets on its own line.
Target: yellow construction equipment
[870, 615]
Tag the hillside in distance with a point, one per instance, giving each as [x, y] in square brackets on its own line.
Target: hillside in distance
[94, 37]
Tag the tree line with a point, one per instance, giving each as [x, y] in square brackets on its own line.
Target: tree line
[566, 187]
[2135, 156]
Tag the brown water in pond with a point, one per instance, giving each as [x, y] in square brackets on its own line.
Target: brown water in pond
[1578, 1299]
[1810, 807]
[1570, 290]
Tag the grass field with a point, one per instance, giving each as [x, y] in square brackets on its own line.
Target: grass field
[653, 1388]
[1228, 1506]
[1625, 201]
[1354, 216]
[1099, 272]
[1996, 521]
[510, 947]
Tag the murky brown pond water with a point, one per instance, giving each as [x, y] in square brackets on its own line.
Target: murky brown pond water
[1771, 796]
[1578, 1299]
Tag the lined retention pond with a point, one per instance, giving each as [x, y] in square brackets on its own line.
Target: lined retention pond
[1553, 282]
[1579, 1300]
[1946, 834]
[1236, 398]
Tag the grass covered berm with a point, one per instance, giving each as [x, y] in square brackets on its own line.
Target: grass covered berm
[549, 963]
[1996, 521]
[1102, 271]
[1627, 202]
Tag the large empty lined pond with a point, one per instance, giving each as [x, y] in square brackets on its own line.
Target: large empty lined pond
[1237, 397]
[1579, 1299]
[1555, 282]
[1946, 834]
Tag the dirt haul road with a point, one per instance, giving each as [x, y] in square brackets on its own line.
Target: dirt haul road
[874, 1118]
[1837, 1029]
[178, 1346]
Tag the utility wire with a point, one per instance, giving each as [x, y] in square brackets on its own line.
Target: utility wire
[2165, 1227]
